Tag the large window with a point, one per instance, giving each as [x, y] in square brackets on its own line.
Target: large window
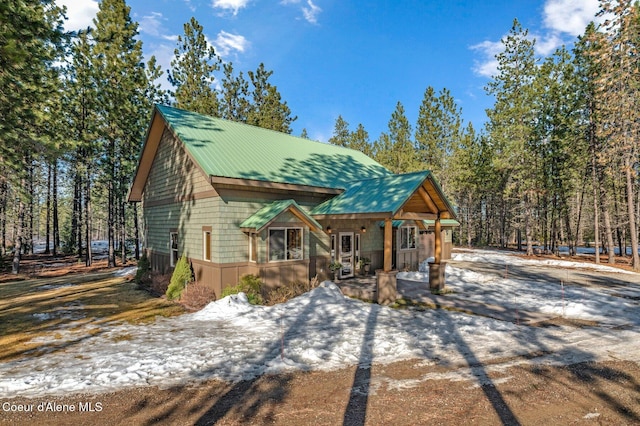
[173, 256]
[285, 244]
[408, 237]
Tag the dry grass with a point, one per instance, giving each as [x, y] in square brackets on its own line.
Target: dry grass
[38, 308]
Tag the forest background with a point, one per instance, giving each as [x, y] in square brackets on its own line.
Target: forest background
[556, 163]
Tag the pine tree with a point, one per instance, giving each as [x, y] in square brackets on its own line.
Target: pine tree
[395, 149]
[341, 132]
[438, 130]
[267, 109]
[618, 98]
[192, 71]
[122, 109]
[234, 97]
[511, 123]
[31, 41]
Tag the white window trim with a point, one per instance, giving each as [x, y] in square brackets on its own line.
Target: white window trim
[284, 228]
[415, 234]
[172, 262]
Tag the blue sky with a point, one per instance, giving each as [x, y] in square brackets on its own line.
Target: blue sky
[356, 58]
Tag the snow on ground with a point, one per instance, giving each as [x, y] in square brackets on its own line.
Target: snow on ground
[510, 258]
[323, 330]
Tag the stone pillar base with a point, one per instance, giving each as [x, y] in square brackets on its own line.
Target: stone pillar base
[386, 285]
[436, 276]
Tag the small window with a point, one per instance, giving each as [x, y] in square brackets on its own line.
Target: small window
[408, 237]
[173, 256]
[253, 247]
[285, 244]
[206, 242]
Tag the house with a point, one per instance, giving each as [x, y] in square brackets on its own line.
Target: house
[238, 199]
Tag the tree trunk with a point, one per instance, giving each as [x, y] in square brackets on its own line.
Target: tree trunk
[30, 208]
[47, 248]
[17, 246]
[87, 216]
[123, 233]
[632, 216]
[607, 229]
[4, 188]
[56, 227]
[136, 231]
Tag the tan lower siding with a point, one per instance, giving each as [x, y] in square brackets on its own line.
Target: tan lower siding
[218, 276]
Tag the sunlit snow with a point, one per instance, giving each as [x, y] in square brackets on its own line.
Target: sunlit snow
[323, 330]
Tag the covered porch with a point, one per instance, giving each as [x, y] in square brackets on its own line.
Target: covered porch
[412, 197]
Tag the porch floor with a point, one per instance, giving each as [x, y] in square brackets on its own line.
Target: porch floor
[364, 288]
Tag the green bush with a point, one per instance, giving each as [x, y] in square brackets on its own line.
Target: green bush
[182, 275]
[250, 285]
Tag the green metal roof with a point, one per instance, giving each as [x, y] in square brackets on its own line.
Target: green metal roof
[378, 195]
[229, 149]
[268, 213]
[427, 223]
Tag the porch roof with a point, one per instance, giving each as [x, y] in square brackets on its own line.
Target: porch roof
[266, 215]
[446, 223]
[392, 196]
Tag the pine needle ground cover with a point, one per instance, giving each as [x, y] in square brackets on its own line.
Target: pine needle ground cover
[43, 315]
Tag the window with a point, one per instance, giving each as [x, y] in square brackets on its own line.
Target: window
[407, 237]
[253, 247]
[357, 259]
[206, 243]
[173, 256]
[285, 244]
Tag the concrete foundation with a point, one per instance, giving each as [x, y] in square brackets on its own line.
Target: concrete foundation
[436, 276]
[386, 287]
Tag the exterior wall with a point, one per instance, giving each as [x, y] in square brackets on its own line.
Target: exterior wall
[428, 243]
[179, 197]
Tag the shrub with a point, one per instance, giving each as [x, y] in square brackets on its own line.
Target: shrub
[250, 285]
[182, 275]
[286, 292]
[143, 274]
[196, 296]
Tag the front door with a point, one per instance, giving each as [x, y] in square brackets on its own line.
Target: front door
[346, 253]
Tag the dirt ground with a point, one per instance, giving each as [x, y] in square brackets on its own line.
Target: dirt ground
[605, 393]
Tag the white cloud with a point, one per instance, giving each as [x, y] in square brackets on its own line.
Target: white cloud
[311, 12]
[232, 5]
[226, 42]
[569, 16]
[80, 14]
[488, 66]
[151, 24]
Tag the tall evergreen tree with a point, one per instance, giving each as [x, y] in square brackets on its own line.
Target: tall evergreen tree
[618, 99]
[341, 132]
[31, 42]
[511, 123]
[192, 71]
[395, 149]
[122, 109]
[235, 96]
[438, 131]
[267, 109]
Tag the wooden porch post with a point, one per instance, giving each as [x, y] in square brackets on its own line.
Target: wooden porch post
[438, 240]
[388, 236]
